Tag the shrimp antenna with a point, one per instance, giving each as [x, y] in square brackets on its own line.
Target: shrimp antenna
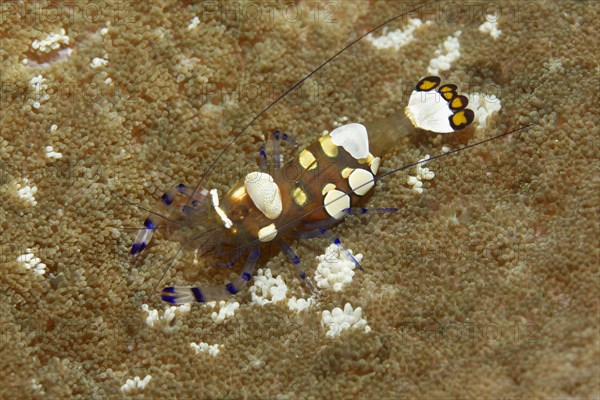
[295, 85]
[521, 128]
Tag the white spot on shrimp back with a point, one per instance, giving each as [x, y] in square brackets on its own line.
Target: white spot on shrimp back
[336, 202]
[353, 138]
[361, 181]
[267, 233]
[264, 192]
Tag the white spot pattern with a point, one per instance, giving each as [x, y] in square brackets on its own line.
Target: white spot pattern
[361, 181]
[267, 233]
[265, 194]
[353, 138]
[336, 202]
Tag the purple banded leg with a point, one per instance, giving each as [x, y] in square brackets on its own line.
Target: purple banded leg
[246, 275]
[296, 261]
[187, 294]
[336, 240]
[287, 138]
[362, 211]
[179, 194]
[277, 156]
[276, 138]
[143, 237]
[201, 196]
[264, 163]
[153, 219]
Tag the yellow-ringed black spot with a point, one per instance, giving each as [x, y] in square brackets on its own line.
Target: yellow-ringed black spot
[427, 84]
[449, 87]
[448, 92]
[448, 96]
[458, 103]
[462, 119]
